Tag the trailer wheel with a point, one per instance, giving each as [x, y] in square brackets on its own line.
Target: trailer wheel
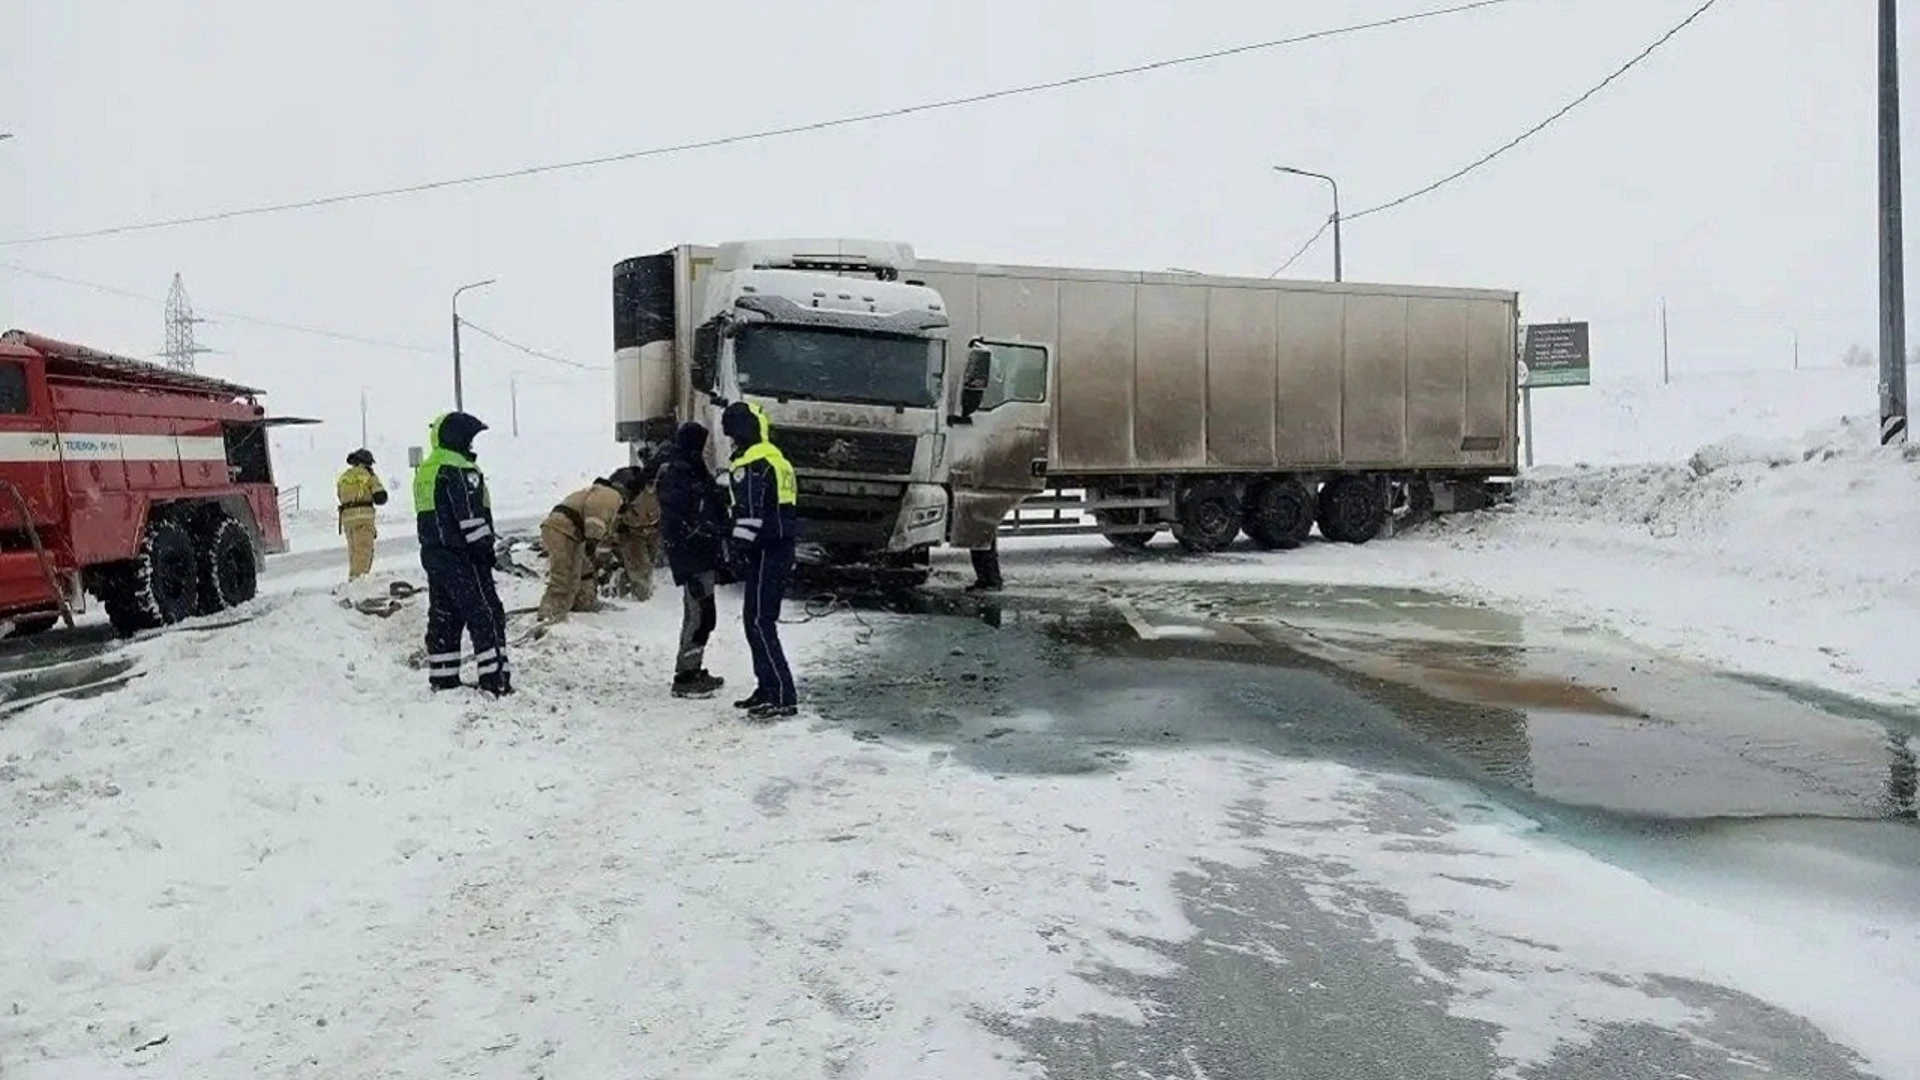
[161, 586]
[1280, 513]
[1209, 517]
[228, 575]
[1352, 509]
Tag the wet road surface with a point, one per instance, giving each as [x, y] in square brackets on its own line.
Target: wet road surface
[1633, 758]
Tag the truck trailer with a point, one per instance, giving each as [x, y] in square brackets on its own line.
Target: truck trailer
[150, 488]
[1150, 402]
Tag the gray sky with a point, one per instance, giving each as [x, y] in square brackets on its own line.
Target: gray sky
[1732, 173]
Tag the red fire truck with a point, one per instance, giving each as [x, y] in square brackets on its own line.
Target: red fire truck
[151, 489]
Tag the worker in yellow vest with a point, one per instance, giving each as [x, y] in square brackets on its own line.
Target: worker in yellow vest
[360, 492]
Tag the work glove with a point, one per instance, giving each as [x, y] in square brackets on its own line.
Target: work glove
[379, 498]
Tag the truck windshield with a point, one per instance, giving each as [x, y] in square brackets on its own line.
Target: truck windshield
[838, 365]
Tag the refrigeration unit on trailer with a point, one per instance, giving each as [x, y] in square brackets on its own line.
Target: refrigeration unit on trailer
[1209, 406]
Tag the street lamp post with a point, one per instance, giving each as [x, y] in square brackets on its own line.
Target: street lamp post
[1336, 209]
[459, 398]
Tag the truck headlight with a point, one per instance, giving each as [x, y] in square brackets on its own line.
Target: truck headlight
[926, 515]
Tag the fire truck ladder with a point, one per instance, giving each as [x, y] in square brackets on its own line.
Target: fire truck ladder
[40, 550]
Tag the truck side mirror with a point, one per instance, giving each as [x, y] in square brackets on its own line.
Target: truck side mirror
[974, 379]
[705, 369]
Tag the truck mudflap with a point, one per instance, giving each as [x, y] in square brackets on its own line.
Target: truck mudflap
[977, 515]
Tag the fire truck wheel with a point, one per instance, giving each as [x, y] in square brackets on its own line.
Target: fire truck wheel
[161, 587]
[228, 576]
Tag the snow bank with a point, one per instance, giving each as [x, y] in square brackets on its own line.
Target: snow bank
[1628, 421]
[1831, 505]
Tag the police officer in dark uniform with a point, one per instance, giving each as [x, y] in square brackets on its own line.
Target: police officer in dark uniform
[454, 514]
[764, 494]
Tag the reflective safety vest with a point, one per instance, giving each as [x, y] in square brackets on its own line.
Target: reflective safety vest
[429, 472]
[786, 487]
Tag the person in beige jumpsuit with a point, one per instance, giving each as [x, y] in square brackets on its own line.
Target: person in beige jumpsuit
[572, 534]
[637, 541]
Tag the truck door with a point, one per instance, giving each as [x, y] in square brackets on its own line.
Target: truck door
[998, 436]
[29, 450]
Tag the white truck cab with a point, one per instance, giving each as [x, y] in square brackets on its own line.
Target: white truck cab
[848, 362]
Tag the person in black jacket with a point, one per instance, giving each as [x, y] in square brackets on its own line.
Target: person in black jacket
[693, 523]
[765, 496]
[454, 516]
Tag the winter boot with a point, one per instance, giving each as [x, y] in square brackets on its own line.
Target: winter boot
[767, 710]
[751, 701]
[450, 683]
[695, 684]
[496, 685]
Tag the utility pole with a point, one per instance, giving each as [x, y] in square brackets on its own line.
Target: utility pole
[1666, 357]
[513, 402]
[459, 396]
[1893, 285]
[1336, 209]
[363, 418]
[1796, 347]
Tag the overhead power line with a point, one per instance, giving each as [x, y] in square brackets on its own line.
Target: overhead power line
[1304, 248]
[529, 351]
[1503, 148]
[233, 316]
[760, 135]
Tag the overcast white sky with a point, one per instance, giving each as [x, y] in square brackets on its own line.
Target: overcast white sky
[1733, 173]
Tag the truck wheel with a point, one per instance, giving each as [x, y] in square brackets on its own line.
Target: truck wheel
[161, 587]
[1352, 509]
[1209, 517]
[228, 576]
[1280, 513]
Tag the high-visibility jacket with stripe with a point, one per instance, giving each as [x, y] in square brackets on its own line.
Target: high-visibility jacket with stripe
[764, 492]
[451, 504]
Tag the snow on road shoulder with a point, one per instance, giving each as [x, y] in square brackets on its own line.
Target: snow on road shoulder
[1554, 947]
[278, 854]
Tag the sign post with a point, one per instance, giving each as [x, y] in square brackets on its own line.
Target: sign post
[1556, 354]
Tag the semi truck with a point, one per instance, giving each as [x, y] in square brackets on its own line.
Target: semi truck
[149, 488]
[927, 402]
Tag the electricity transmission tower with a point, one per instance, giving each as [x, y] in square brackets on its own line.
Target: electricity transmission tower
[181, 348]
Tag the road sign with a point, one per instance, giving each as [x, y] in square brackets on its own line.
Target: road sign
[1556, 355]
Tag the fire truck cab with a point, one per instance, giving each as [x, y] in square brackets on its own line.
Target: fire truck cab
[149, 488]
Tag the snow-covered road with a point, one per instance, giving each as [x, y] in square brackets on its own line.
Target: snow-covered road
[982, 852]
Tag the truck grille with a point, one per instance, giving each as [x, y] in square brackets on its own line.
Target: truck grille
[872, 453]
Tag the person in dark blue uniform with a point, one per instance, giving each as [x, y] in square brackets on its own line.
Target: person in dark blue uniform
[454, 514]
[764, 493]
[693, 528]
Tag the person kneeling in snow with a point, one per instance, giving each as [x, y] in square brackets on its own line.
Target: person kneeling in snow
[693, 521]
[572, 534]
[454, 516]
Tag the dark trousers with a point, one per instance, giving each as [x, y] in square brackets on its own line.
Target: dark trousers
[766, 584]
[461, 598]
[698, 616]
[986, 566]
